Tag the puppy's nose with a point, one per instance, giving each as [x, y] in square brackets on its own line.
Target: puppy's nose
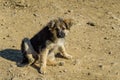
[61, 34]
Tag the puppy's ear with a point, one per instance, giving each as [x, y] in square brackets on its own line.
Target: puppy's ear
[51, 24]
[68, 23]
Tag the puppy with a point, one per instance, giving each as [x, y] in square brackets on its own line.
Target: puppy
[43, 46]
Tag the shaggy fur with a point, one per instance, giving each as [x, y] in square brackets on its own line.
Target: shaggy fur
[46, 43]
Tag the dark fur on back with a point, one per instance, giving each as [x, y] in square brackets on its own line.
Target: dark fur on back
[39, 40]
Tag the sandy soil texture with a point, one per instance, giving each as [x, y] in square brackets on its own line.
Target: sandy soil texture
[94, 39]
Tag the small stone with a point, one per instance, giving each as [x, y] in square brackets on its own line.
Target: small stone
[65, 13]
[117, 73]
[69, 11]
[76, 62]
[112, 63]
[105, 38]
[88, 73]
[6, 27]
[113, 28]
[3, 38]
[1, 24]
[8, 36]
[61, 63]
[20, 75]
[88, 68]
[88, 48]
[60, 71]
[91, 23]
[35, 15]
[13, 46]
[109, 52]
[100, 66]
[65, 70]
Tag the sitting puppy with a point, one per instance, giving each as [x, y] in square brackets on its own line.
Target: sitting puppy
[43, 46]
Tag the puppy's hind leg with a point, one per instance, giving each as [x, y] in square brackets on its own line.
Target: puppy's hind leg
[28, 52]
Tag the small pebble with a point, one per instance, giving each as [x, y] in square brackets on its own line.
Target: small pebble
[88, 73]
[91, 23]
[61, 63]
[65, 70]
[65, 13]
[13, 46]
[35, 15]
[105, 38]
[109, 52]
[112, 63]
[8, 36]
[88, 68]
[76, 62]
[117, 73]
[88, 48]
[69, 11]
[1, 24]
[6, 27]
[100, 65]
[3, 38]
[113, 28]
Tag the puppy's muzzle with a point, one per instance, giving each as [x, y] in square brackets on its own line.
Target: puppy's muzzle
[60, 34]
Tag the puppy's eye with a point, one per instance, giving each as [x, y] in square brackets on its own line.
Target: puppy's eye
[57, 29]
[63, 28]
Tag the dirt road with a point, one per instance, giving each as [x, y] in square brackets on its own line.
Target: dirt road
[94, 40]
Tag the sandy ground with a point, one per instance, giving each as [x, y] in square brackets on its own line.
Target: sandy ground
[94, 40]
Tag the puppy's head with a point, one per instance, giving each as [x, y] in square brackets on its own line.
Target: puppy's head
[60, 27]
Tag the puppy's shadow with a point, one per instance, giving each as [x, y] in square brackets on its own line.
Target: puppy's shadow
[11, 54]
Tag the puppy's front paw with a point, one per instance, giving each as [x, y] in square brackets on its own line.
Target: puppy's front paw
[67, 56]
[42, 70]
